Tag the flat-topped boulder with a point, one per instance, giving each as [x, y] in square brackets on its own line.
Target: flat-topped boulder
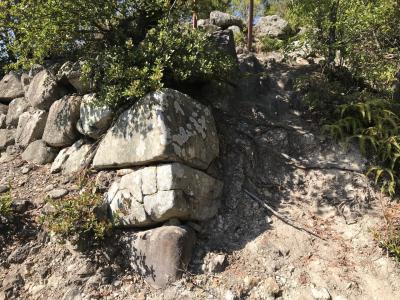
[44, 90]
[60, 130]
[225, 20]
[164, 126]
[158, 193]
[11, 88]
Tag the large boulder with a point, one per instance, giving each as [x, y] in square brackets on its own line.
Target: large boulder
[271, 26]
[71, 72]
[60, 130]
[72, 159]
[163, 126]
[78, 158]
[16, 108]
[158, 193]
[7, 138]
[10, 88]
[30, 127]
[44, 90]
[161, 255]
[39, 153]
[225, 42]
[94, 120]
[225, 20]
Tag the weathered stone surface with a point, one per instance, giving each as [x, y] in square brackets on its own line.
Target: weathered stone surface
[6, 138]
[16, 108]
[57, 193]
[3, 119]
[39, 153]
[10, 88]
[204, 24]
[30, 127]
[225, 20]
[94, 120]
[60, 130]
[235, 29]
[158, 193]
[161, 254]
[163, 126]
[71, 72]
[72, 159]
[77, 159]
[44, 90]
[3, 109]
[225, 41]
[25, 81]
[271, 26]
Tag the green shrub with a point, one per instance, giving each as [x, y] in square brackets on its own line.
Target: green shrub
[76, 217]
[5, 205]
[350, 113]
[130, 47]
[271, 44]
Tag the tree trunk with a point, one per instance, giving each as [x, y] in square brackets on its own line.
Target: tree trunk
[332, 33]
[194, 15]
[250, 26]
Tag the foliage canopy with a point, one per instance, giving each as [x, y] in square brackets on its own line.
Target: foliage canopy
[129, 47]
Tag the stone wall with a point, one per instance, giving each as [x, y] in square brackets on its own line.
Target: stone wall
[161, 148]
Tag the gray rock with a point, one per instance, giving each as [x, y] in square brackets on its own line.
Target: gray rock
[158, 193]
[3, 109]
[57, 193]
[71, 72]
[320, 293]
[94, 120]
[225, 42]
[16, 108]
[4, 188]
[160, 268]
[30, 127]
[235, 29]
[6, 138]
[3, 119]
[163, 126]
[39, 153]
[215, 264]
[60, 130]
[225, 20]
[44, 90]
[25, 81]
[19, 255]
[250, 85]
[271, 26]
[72, 159]
[77, 159]
[21, 206]
[35, 69]
[10, 88]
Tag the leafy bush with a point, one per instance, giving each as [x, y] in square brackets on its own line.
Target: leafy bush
[362, 34]
[77, 217]
[350, 113]
[5, 205]
[270, 44]
[130, 47]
